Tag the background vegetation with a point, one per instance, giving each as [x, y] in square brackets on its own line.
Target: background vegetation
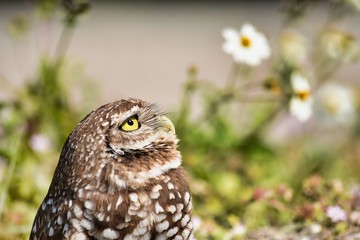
[245, 185]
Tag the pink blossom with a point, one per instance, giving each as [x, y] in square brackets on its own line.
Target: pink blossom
[336, 213]
[39, 143]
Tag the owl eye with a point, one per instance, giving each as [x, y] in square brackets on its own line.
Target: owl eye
[130, 124]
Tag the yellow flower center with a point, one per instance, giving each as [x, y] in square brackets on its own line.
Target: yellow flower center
[303, 95]
[275, 89]
[245, 41]
[273, 86]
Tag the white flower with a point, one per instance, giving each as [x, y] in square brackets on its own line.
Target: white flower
[293, 47]
[247, 45]
[237, 230]
[315, 228]
[336, 213]
[337, 102]
[39, 143]
[339, 45]
[301, 103]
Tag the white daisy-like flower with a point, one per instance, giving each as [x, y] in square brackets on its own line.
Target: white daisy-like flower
[339, 45]
[337, 102]
[301, 102]
[336, 213]
[247, 45]
[293, 47]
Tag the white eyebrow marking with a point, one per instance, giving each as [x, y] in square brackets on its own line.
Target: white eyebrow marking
[134, 110]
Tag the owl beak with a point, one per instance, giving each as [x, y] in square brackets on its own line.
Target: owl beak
[167, 124]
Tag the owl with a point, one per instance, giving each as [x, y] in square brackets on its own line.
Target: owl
[119, 176]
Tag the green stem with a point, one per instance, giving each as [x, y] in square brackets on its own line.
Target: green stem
[64, 42]
[14, 156]
[232, 76]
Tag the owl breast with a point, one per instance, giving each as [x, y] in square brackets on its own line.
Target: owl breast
[161, 209]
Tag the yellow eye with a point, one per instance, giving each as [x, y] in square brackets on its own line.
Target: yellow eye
[130, 124]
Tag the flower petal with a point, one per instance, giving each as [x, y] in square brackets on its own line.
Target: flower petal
[301, 109]
[230, 34]
[299, 83]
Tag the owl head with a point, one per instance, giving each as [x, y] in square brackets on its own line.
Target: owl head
[137, 127]
[129, 138]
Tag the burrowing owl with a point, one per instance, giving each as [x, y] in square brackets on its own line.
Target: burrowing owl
[118, 177]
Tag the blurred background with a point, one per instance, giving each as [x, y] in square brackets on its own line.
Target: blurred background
[148, 43]
[264, 157]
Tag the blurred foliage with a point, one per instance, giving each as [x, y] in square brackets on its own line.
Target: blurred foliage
[35, 122]
[239, 178]
[244, 184]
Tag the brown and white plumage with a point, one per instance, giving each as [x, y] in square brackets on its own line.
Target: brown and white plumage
[118, 177]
